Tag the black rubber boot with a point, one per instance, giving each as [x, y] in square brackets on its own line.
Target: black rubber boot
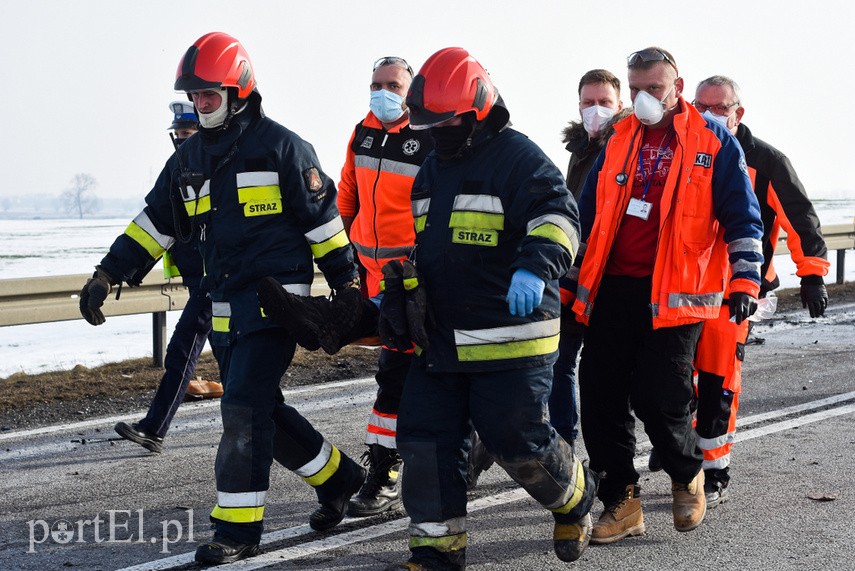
[302, 316]
[343, 315]
[334, 494]
[224, 550]
[382, 489]
[479, 461]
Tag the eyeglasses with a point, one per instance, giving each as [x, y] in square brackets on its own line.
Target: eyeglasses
[649, 55]
[719, 109]
[393, 60]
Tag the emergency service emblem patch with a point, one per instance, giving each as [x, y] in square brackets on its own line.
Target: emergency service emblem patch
[703, 160]
[411, 147]
[313, 179]
[367, 142]
[743, 166]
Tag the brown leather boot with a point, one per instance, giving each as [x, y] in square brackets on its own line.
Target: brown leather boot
[690, 503]
[620, 520]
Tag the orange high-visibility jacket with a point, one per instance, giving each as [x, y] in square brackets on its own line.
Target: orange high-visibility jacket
[375, 186]
[709, 216]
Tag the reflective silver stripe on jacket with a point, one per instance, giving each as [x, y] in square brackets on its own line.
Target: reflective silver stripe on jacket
[479, 203]
[508, 333]
[383, 252]
[390, 166]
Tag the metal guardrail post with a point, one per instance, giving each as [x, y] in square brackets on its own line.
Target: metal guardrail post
[841, 261]
[158, 328]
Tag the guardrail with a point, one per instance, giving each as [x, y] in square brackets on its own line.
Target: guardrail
[24, 301]
[55, 298]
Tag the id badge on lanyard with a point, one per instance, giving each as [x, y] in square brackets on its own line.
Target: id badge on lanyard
[639, 208]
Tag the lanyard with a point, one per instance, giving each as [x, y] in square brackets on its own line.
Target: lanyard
[646, 181]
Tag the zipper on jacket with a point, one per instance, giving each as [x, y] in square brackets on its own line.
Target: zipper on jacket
[374, 196]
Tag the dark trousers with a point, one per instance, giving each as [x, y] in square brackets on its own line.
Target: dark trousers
[627, 365]
[186, 344]
[254, 417]
[507, 408]
[563, 411]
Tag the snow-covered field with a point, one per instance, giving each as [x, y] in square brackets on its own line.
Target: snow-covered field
[34, 248]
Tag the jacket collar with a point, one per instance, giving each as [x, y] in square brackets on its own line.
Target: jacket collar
[373, 122]
[745, 138]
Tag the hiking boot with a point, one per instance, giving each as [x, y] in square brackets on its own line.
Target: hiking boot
[333, 495]
[480, 461]
[620, 519]
[570, 539]
[135, 433]
[406, 566]
[343, 315]
[715, 491]
[382, 489]
[225, 550]
[653, 463]
[302, 316]
[690, 503]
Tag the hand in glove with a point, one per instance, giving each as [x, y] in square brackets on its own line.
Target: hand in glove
[525, 293]
[392, 325]
[742, 306]
[93, 294]
[417, 310]
[814, 296]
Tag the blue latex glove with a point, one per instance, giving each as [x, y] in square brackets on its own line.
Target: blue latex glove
[525, 293]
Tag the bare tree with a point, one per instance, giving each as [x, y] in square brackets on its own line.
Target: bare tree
[76, 198]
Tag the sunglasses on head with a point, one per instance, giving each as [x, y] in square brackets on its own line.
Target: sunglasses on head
[393, 60]
[648, 55]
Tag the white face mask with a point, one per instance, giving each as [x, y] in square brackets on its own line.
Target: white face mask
[215, 118]
[648, 109]
[720, 119]
[595, 117]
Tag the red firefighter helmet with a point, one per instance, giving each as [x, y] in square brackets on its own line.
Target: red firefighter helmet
[450, 83]
[215, 60]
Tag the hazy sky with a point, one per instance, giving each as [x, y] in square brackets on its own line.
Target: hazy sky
[88, 82]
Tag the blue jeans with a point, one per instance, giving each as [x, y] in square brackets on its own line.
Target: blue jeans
[563, 412]
[186, 344]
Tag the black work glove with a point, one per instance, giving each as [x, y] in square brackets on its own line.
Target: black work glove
[93, 294]
[416, 305]
[392, 325]
[742, 306]
[814, 296]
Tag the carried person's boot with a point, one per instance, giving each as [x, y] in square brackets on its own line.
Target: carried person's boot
[333, 495]
[302, 316]
[345, 311]
[480, 461]
[621, 519]
[689, 503]
[382, 489]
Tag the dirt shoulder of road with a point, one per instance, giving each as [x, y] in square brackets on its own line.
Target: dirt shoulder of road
[27, 401]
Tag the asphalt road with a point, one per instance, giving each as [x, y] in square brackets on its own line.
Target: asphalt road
[67, 488]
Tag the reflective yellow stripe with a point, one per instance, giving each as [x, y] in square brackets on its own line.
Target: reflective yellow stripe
[554, 233]
[444, 544]
[420, 223]
[220, 324]
[258, 193]
[327, 471]
[479, 220]
[238, 515]
[321, 249]
[144, 239]
[201, 206]
[512, 350]
[170, 270]
[579, 490]
[411, 283]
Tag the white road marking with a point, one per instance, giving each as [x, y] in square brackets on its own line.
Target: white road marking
[359, 535]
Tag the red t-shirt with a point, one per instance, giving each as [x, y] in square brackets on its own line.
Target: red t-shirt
[634, 250]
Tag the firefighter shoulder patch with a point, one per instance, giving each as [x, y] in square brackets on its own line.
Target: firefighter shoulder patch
[313, 179]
